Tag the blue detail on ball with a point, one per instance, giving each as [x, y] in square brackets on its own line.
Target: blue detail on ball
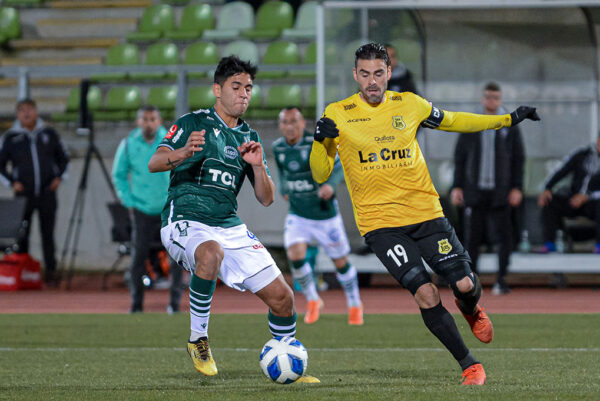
[297, 343]
[288, 381]
[264, 351]
[273, 369]
[296, 364]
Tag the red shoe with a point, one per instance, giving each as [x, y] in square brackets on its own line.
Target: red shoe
[312, 311]
[474, 375]
[355, 315]
[480, 323]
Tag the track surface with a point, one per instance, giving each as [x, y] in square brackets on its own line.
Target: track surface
[88, 297]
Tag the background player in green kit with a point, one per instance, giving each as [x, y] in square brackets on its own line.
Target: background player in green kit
[210, 152]
[313, 215]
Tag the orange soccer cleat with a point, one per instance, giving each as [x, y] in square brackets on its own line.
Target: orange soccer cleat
[312, 311]
[474, 375]
[480, 323]
[355, 315]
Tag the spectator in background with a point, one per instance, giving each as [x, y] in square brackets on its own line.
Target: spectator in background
[38, 161]
[401, 79]
[488, 181]
[145, 195]
[582, 198]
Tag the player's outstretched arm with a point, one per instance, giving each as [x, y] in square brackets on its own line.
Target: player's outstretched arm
[458, 121]
[165, 159]
[324, 149]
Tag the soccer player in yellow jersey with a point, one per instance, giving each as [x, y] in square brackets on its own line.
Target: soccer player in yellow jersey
[396, 206]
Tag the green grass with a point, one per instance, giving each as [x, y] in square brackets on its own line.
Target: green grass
[142, 357]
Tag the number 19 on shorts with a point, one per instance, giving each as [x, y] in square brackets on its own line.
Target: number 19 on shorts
[397, 253]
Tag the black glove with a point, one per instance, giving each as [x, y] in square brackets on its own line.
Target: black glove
[523, 112]
[326, 129]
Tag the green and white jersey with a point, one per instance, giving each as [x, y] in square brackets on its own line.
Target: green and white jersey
[204, 187]
[296, 181]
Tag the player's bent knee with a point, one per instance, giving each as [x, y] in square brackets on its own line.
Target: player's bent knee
[468, 287]
[209, 256]
[427, 296]
[465, 284]
[415, 278]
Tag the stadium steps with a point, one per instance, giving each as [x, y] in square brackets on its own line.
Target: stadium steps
[70, 4]
[16, 61]
[84, 27]
[63, 43]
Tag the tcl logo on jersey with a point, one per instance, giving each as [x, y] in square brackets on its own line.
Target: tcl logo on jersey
[299, 186]
[171, 132]
[222, 177]
[385, 154]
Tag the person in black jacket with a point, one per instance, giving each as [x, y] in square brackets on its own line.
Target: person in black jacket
[401, 79]
[37, 160]
[582, 198]
[488, 181]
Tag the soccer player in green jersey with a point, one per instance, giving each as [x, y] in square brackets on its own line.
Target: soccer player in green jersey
[313, 216]
[210, 153]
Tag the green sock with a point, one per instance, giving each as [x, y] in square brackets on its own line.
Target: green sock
[201, 292]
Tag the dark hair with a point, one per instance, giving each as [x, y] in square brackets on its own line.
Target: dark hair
[27, 101]
[371, 51]
[288, 108]
[492, 86]
[148, 108]
[231, 65]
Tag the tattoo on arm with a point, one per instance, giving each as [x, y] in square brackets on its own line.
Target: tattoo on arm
[174, 163]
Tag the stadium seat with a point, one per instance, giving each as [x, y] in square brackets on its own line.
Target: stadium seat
[280, 53]
[310, 58]
[159, 54]
[278, 97]
[201, 53]
[22, 3]
[121, 104]
[201, 97]
[244, 49]
[155, 22]
[195, 19]
[10, 25]
[71, 114]
[272, 17]
[233, 18]
[310, 102]
[119, 55]
[165, 98]
[305, 27]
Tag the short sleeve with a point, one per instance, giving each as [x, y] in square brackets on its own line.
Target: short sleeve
[178, 134]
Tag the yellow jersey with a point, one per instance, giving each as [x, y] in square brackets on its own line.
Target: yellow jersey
[384, 168]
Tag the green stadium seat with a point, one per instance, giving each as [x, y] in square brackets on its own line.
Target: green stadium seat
[21, 3]
[310, 102]
[165, 98]
[155, 22]
[272, 17]
[119, 55]
[310, 58]
[233, 18]
[159, 54]
[282, 53]
[120, 104]
[278, 97]
[305, 27]
[10, 24]
[201, 97]
[195, 19]
[201, 53]
[71, 113]
[244, 49]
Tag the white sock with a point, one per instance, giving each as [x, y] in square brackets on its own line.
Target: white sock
[305, 277]
[349, 282]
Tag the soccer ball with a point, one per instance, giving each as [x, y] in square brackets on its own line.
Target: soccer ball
[283, 359]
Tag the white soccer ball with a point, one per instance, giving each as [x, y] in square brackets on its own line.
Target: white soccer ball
[283, 359]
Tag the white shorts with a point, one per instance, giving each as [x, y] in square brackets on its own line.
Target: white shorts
[246, 265]
[330, 234]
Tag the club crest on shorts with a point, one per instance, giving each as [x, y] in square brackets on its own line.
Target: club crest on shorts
[444, 246]
[398, 122]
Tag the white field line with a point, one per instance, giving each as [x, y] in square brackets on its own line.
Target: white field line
[138, 349]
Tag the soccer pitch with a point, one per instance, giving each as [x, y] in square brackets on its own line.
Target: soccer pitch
[143, 357]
